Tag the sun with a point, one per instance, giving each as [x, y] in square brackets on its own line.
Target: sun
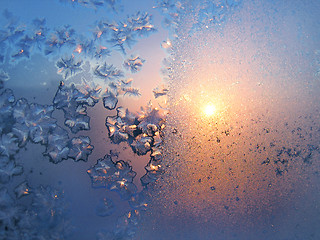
[209, 110]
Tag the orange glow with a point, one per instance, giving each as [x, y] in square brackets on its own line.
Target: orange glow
[209, 110]
[78, 49]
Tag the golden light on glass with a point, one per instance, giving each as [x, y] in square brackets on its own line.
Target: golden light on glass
[209, 110]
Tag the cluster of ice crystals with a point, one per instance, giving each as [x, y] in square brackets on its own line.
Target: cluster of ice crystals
[105, 207]
[134, 64]
[23, 121]
[117, 176]
[9, 213]
[32, 120]
[68, 66]
[73, 103]
[6, 103]
[160, 91]
[64, 36]
[8, 169]
[215, 12]
[126, 227]
[142, 144]
[110, 101]
[171, 10]
[22, 190]
[95, 4]
[107, 72]
[143, 133]
[139, 201]
[21, 41]
[80, 148]
[44, 219]
[122, 126]
[57, 148]
[4, 76]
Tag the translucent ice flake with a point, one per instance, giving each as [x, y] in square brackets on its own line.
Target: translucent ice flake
[105, 207]
[117, 176]
[130, 91]
[9, 213]
[139, 201]
[153, 172]
[77, 122]
[171, 10]
[57, 147]
[39, 32]
[127, 225]
[107, 72]
[160, 91]
[122, 126]
[134, 64]
[6, 103]
[102, 52]
[48, 217]
[150, 120]
[74, 102]
[91, 92]
[22, 190]
[45, 218]
[142, 144]
[8, 170]
[140, 23]
[110, 101]
[215, 12]
[95, 4]
[8, 145]
[66, 96]
[34, 117]
[125, 33]
[61, 37]
[166, 44]
[80, 148]
[68, 66]
[4, 76]
[5, 198]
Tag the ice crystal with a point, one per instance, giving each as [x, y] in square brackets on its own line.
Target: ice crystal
[8, 144]
[6, 103]
[74, 102]
[80, 148]
[22, 190]
[131, 91]
[8, 170]
[34, 117]
[139, 201]
[105, 207]
[127, 225]
[150, 120]
[142, 144]
[57, 147]
[158, 92]
[117, 176]
[134, 64]
[102, 52]
[107, 72]
[95, 4]
[110, 101]
[77, 122]
[4, 76]
[68, 66]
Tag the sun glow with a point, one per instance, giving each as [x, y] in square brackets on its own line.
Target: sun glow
[209, 110]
